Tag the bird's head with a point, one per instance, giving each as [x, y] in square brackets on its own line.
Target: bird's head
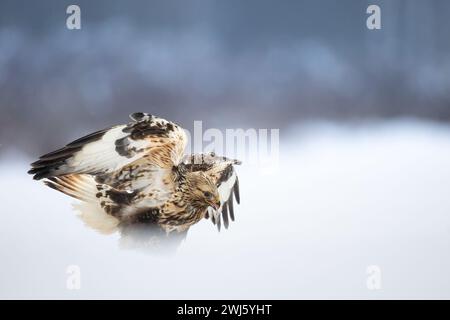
[203, 191]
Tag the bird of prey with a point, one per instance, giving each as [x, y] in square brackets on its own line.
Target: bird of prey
[138, 173]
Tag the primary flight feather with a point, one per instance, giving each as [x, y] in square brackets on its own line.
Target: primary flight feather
[138, 173]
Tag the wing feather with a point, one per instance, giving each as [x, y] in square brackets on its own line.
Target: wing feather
[157, 140]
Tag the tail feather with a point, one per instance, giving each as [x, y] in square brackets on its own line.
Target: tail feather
[84, 187]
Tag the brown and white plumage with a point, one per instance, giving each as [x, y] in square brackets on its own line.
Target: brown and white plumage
[137, 173]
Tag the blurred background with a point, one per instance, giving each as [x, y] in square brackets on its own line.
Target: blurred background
[229, 63]
[365, 142]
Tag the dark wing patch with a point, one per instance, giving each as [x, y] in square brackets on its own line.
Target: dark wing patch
[197, 167]
[225, 175]
[236, 191]
[148, 216]
[225, 214]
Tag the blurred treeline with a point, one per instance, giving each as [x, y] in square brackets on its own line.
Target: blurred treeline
[253, 63]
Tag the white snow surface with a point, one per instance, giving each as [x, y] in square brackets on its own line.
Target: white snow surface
[344, 198]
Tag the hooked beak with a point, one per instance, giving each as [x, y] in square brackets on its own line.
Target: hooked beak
[216, 205]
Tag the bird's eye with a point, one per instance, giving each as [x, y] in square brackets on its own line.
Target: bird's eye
[207, 194]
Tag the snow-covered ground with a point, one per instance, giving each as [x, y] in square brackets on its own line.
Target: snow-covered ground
[344, 198]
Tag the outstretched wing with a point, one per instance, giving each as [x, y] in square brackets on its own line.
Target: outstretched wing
[221, 171]
[158, 142]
